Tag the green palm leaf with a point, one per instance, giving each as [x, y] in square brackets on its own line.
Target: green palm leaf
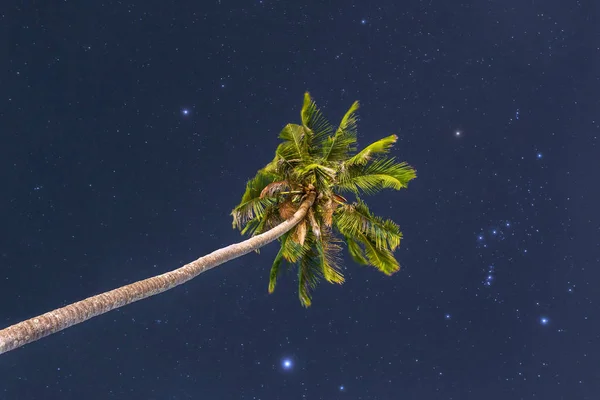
[252, 205]
[293, 251]
[328, 248]
[370, 178]
[308, 275]
[267, 220]
[371, 240]
[382, 259]
[294, 148]
[356, 252]
[317, 127]
[339, 146]
[381, 146]
[276, 268]
[358, 218]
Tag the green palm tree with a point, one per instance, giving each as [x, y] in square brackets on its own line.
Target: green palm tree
[316, 158]
[295, 199]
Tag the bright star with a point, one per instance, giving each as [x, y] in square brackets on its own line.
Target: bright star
[185, 111]
[544, 321]
[539, 155]
[447, 316]
[342, 388]
[457, 133]
[287, 363]
[363, 21]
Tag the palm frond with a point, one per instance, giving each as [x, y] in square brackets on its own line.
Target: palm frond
[329, 249]
[370, 239]
[320, 176]
[382, 259]
[293, 148]
[276, 267]
[315, 123]
[320, 259]
[323, 179]
[304, 284]
[375, 176]
[339, 199]
[293, 251]
[357, 218]
[381, 146]
[328, 173]
[309, 274]
[252, 205]
[273, 166]
[348, 123]
[343, 142]
[269, 219]
[356, 252]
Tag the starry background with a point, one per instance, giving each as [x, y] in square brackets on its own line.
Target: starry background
[128, 131]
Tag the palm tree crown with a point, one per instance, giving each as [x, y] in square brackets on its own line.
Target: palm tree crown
[315, 157]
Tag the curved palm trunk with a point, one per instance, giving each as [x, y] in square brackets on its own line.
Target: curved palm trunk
[51, 322]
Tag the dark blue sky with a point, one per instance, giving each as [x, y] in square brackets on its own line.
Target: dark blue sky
[106, 180]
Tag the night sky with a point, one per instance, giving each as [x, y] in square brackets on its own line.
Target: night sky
[128, 131]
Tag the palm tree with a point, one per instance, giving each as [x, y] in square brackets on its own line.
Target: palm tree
[295, 199]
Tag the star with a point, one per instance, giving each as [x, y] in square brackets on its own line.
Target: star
[185, 111]
[342, 387]
[287, 363]
[363, 21]
[457, 133]
[544, 321]
[539, 155]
